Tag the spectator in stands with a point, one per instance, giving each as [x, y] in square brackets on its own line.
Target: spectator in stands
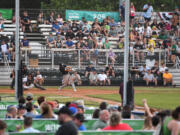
[70, 34]
[55, 27]
[11, 112]
[115, 123]
[30, 110]
[162, 68]
[148, 9]
[25, 42]
[3, 127]
[178, 49]
[173, 52]
[1, 25]
[65, 27]
[107, 44]
[46, 111]
[80, 109]
[167, 77]
[21, 110]
[89, 69]
[93, 78]
[74, 27]
[28, 126]
[78, 120]
[59, 19]
[113, 32]
[155, 69]
[102, 121]
[67, 125]
[122, 11]
[103, 106]
[102, 79]
[59, 42]
[4, 50]
[51, 18]
[69, 43]
[26, 22]
[171, 125]
[80, 34]
[126, 112]
[138, 49]
[88, 27]
[113, 23]
[149, 77]
[110, 71]
[51, 41]
[150, 47]
[40, 100]
[29, 97]
[132, 11]
[112, 56]
[41, 18]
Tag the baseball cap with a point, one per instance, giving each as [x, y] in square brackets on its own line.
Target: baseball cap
[73, 110]
[64, 110]
[29, 96]
[80, 117]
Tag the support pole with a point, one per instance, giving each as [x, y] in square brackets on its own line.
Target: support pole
[17, 49]
[126, 52]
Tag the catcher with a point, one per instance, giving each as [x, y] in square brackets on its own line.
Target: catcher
[66, 72]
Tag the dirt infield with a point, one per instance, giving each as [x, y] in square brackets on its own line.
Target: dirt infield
[80, 93]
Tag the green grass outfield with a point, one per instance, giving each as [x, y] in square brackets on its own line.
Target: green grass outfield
[157, 97]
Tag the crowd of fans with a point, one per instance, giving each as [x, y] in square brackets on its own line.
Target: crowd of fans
[71, 117]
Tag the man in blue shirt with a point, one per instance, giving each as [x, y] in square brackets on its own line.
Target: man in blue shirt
[78, 120]
[55, 27]
[69, 43]
[25, 42]
[148, 9]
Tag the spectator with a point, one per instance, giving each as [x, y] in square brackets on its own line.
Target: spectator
[4, 50]
[29, 97]
[30, 110]
[40, 100]
[55, 27]
[21, 111]
[122, 11]
[21, 100]
[74, 27]
[80, 34]
[78, 120]
[25, 42]
[171, 125]
[148, 9]
[28, 126]
[38, 81]
[126, 112]
[113, 32]
[132, 11]
[110, 71]
[102, 121]
[69, 43]
[115, 124]
[173, 51]
[167, 77]
[70, 34]
[113, 23]
[46, 111]
[89, 69]
[96, 114]
[65, 27]
[1, 25]
[107, 44]
[26, 22]
[138, 50]
[162, 68]
[93, 78]
[59, 42]
[88, 27]
[67, 125]
[59, 19]
[149, 77]
[3, 127]
[112, 56]
[51, 41]
[80, 109]
[103, 105]
[178, 49]
[50, 19]
[12, 76]
[41, 18]
[102, 78]
[11, 112]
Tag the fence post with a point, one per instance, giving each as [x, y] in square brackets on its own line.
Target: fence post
[159, 57]
[52, 54]
[79, 61]
[107, 58]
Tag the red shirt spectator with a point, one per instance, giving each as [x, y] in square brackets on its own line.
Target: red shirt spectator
[121, 126]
